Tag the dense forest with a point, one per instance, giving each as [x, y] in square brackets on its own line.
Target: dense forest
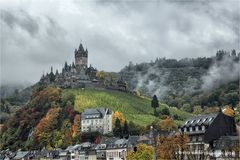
[203, 81]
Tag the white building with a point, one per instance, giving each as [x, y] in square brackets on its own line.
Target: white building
[99, 119]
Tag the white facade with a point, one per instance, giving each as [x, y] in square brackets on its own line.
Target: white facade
[116, 154]
[97, 120]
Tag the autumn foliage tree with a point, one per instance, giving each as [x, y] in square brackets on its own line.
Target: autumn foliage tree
[120, 116]
[172, 147]
[229, 111]
[42, 133]
[141, 152]
[167, 124]
[76, 125]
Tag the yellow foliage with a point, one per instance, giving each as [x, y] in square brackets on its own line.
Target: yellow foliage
[144, 152]
[229, 111]
[120, 116]
[101, 75]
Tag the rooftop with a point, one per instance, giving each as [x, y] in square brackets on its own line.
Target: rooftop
[95, 113]
[200, 120]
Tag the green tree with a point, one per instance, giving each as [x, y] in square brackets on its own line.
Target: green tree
[165, 111]
[117, 131]
[125, 129]
[155, 104]
[187, 107]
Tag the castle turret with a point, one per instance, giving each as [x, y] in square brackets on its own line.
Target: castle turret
[81, 59]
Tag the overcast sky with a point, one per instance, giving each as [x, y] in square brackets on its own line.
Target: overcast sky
[38, 34]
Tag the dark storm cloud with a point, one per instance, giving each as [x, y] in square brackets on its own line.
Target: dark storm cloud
[22, 19]
[44, 33]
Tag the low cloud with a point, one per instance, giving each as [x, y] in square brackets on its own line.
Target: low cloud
[38, 34]
[22, 20]
[221, 72]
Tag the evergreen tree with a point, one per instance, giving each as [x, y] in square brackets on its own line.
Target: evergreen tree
[125, 129]
[155, 104]
[117, 131]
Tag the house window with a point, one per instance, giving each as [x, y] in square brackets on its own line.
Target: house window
[196, 128]
[191, 129]
[185, 129]
[203, 128]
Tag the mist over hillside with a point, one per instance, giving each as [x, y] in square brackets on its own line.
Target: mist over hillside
[171, 77]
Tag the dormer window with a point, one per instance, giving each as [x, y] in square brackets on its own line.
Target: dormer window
[192, 121]
[211, 119]
[199, 120]
[187, 122]
[205, 119]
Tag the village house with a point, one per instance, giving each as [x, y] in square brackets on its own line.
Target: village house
[99, 119]
[212, 132]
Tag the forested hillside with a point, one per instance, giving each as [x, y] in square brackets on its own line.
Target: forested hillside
[51, 118]
[203, 81]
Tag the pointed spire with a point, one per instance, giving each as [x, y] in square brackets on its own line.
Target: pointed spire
[57, 72]
[80, 48]
[51, 69]
[65, 66]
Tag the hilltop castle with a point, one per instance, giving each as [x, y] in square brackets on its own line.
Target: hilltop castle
[77, 74]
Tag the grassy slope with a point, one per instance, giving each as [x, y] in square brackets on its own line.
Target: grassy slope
[134, 108]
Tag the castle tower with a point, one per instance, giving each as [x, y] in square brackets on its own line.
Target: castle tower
[81, 59]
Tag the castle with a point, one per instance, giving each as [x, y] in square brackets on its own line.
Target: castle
[77, 74]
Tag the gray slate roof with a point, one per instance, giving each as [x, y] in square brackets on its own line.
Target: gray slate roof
[21, 154]
[200, 120]
[95, 111]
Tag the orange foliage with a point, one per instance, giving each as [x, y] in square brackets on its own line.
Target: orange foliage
[229, 111]
[120, 116]
[46, 125]
[168, 146]
[76, 125]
